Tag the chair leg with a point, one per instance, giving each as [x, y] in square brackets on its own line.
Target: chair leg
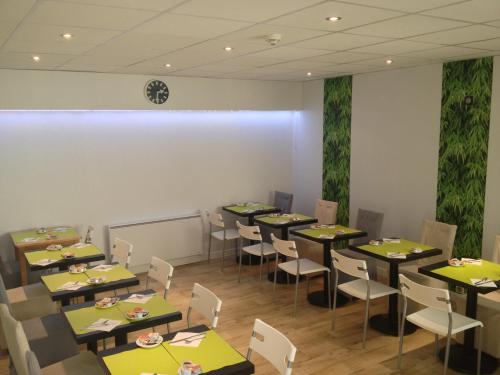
[436, 345]
[335, 291]
[479, 348]
[260, 272]
[275, 277]
[209, 246]
[223, 254]
[296, 293]
[401, 330]
[239, 268]
[365, 326]
[447, 354]
[168, 327]
[329, 292]
[307, 285]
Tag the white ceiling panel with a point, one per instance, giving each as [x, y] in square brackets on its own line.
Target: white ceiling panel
[494, 23]
[107, 59]
[471, 11]
[82, 15]
[443, 53]
[352, 16]
[156, 5]
[243, 10]
[395, 47]
[407, 26]
[491, 44]
[398, 61]
[15, 10]
[461, 35]
[289, 53]
[76, 67]
[7, 27]
[343, 57]
[339, 42]
[405, 5]
[13, 60]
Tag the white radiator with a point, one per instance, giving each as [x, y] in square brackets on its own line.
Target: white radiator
[177, 239]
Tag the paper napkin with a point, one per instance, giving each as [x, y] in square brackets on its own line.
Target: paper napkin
[392, 240]
[187, 339]
[60, 229]
[79, 245]
[139, 298]
[72, 285]
[30, 239]
[484, 283]
[396, 255]
[44, 262]
[476, 262]
[327, 236]
[103, 267]
[105, 325]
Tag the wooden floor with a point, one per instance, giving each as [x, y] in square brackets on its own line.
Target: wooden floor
[320, 351]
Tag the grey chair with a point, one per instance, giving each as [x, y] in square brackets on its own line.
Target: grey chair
[283, 201]
[371, 223]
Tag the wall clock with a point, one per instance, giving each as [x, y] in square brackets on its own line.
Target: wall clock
[156, 91]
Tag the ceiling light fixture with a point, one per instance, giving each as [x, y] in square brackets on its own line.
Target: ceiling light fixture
[389, 61]
[67, 36]
[228, 48]
[36, 58]
[333, 18]
[167, 65]
[309, 74]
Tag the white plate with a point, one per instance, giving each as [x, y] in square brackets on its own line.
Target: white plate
[106, 307]
[77, 272]
[138, 319]
[145, 346]
[29, 239]
[96, 283]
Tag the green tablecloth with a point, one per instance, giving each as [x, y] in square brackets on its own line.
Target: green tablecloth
[18, 237]
[81, 318]
[213, 353]
[403, 247]
[54, 281]
[282, 218]
[254, 207]
[470, 271]
[35, 256]
[317, 232]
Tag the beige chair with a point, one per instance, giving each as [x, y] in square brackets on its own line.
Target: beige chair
[121, 252]
[223, 235]
[206, 303]
[326, 213]
[160, 271]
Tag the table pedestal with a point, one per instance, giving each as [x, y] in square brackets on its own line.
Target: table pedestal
[388, 326]
[465, 361]
[282, 277]
[319, 298]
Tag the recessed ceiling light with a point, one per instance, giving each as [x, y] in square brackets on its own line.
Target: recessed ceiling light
[167, 65]
[67, 36]
[36, 58]
[333, 18]
[389, 61]
[228, 48]
[309, 74]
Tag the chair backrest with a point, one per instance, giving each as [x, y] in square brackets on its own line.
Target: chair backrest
[16, 340]
[425, 295]
[369, 222]
[161, 271]
[249, 232]
[4, 298]
[286, 248]
[326, 211]
[495, 256]
[215, 218]
[121, 252]
[206, 303]
[33, 364]
[283, 201]
[273, 346]
[351, 266]
[439, 235]
[90, 234]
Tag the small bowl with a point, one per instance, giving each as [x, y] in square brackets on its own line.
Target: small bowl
[77, 268]
[68, 255]
[106, 303]
[41, 230]
[54, 247]
[96, 280]
[416, 250]
[137, 314]
[456, 262]
[375, 243]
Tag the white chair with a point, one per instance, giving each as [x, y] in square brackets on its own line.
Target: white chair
[160, 271]
[226, 234]
[261, 249]
[121, 252]
[273, 346]
[362, 287]
[438, 317]
[206, 303]
[90, 234]
[297, 267]
[495, 257]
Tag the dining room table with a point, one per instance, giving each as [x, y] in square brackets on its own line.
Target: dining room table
[37, 239]
[327, 235]
[214, 354]
[82, 318]
[63, 286]
[394, 251]
[248, 211]
[48, 259]
[475, 278]
[283, 223]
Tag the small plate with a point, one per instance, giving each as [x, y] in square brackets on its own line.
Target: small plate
[29, 239]
[96, 280]
[455, 262]
[54, 247]
[416, 250]
[68, 255]
[147, 316]
[113, 303]
[149, 346]
[77, 268]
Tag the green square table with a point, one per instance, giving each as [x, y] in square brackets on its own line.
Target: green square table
[284, 223]
[388, 324]
[118, 277]
[214, 354]
[82, 315]
[327, 236]
[87, 254]
[30, 239]
[463, 358]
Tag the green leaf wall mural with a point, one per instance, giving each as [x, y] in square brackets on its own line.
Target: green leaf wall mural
[463, 150]
[337, 143]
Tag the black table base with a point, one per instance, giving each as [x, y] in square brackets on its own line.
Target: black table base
[318, 298]
[282, 277]
[465, 361]
[387, 326]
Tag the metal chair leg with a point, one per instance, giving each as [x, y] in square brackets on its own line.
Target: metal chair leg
[260, 271]
[335, 291]
[275, 277]
[296, 293]
[401, 330]
[436, 345]
[447, 354]
[209, 247]
[365, 326]
[329, 292]
[239, 268]
[223, 254]
[479, 348]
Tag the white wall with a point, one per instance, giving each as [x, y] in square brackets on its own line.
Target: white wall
[492, 202]
[24, 89]
[308, 149]
[395, 144]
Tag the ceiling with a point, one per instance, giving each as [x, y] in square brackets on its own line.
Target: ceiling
[141, 36]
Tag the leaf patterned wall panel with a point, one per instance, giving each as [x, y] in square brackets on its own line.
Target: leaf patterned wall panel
[463, 150]
[337, 143]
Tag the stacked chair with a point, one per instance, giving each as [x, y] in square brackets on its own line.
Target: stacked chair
[222, 234]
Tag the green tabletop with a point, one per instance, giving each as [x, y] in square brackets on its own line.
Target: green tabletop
[18, 237]
[330, 231]
[403, 247]
[470, 271]
[286, 218]
[249, 207]
[54, 281]
[137, 361]
[35, 256]
[81, 318]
